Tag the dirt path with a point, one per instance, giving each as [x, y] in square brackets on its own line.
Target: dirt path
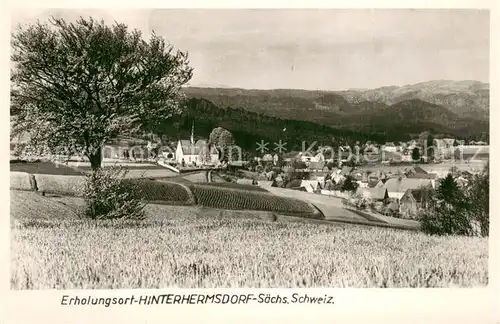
[333, 209]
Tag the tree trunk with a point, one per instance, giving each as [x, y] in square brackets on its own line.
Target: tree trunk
[96, 160]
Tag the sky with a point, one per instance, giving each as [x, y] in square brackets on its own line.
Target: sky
[315, 49]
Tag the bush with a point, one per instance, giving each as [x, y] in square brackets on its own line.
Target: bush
[391, 210]
[447, 220]
[109, 196]
[349, 184]
[459, 211]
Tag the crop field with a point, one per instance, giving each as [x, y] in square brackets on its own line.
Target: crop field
[228, 198]
[191, 247]
[164, 192]
[233, 185]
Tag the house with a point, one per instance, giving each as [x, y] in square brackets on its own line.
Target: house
[246, 181]
[312, 158]
[358, 176]
[267, 157]
[417, 169]
[406, 157]
[397, 187]
[295, 183]
[362, 184]
[444, 147]
[188, 152]
[466, 174]
[265, 184]
[412, 202]
[377, 194]
[381, 183]
[310, 185]
[337, 177]
[417, 172]
[389, 147]
[290, 156]
[125, 147]
[411, 145]
[430, 176]
[315, 165]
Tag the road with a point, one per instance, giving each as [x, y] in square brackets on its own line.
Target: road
[334, 210]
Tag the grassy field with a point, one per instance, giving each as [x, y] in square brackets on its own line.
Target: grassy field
[44, 168]
[52, 248]
[80, 168]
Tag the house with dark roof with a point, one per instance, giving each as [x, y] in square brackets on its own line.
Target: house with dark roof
[413, 201]
[381, 182]
[397, 187]
[417, 169]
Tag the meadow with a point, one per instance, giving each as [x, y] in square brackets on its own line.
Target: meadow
[193, 246]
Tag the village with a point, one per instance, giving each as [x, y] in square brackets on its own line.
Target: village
[249, 168]
[390, 179]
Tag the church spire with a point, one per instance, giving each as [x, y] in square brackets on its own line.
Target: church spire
[192, 133]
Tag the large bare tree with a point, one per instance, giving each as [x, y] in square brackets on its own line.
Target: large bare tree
[77, 85]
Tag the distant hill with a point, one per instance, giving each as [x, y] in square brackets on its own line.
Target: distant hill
[414, 116]
[250, 128]
[458, 108]
[466, 98]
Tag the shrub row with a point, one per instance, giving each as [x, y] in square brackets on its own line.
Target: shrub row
[60, 185]
[20, 181]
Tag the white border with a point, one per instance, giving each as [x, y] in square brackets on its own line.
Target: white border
[352, 305]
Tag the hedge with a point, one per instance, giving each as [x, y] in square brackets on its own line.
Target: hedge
[20, 181]
[60, 184]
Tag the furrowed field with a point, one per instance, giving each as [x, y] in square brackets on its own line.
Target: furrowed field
[228, 198]
[179, 246]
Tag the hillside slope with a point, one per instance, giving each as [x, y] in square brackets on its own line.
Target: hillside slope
[466, 98]
[370, 111]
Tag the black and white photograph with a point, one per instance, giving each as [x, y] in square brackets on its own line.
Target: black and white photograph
[249, 148]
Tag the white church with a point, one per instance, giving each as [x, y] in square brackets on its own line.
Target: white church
[188, 152]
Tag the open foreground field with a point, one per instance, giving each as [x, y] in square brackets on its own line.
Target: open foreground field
[135, 170]
[51, 247]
